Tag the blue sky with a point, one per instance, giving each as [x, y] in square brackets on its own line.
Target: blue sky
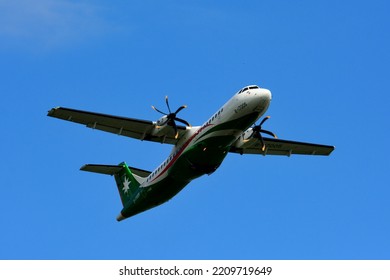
[326, 63]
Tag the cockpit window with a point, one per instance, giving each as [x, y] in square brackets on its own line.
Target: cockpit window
[246, 88]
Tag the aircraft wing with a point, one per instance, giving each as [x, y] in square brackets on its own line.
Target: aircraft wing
[284, 148]
[134, 128]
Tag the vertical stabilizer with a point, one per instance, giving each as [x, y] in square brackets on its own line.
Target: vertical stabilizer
[126, 182]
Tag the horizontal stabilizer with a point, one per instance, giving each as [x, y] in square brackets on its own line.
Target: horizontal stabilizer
[102, 168]
[128, 179]
[113, 169]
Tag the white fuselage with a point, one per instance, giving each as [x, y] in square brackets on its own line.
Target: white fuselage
[230, 120]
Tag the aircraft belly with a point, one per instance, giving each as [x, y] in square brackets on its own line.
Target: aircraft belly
[202, 158]
[153, 196]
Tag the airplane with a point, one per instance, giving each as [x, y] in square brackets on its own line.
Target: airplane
[197, 150]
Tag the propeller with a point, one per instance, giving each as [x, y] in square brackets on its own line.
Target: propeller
[171, 117]
[257, 130]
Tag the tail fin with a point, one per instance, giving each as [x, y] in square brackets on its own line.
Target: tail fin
[126, 181]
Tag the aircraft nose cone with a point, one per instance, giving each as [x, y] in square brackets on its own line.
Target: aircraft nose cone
[263, 99]
[267, 93]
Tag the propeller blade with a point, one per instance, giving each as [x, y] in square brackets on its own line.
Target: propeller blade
[154, 108]
[183, 121]
[263, 121]
[269, 133]
[166, 101]
[262, 142]
[181, 108]
[175, 129]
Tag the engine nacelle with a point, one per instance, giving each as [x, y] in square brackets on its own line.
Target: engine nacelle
[163, 121]
[246, 139]
[162, 127]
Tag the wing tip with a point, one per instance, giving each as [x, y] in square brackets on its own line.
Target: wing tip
[51, 112]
